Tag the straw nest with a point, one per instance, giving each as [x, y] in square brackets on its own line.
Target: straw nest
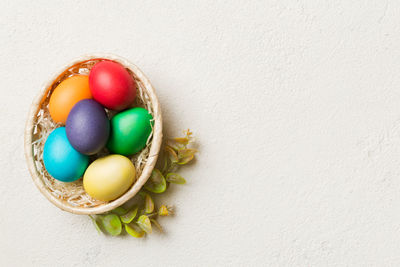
[72, 197]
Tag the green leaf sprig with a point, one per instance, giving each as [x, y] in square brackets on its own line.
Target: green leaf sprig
[139, 220]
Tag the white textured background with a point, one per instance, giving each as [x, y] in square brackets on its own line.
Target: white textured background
[296, 106]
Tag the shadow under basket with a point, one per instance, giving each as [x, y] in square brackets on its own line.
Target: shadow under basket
[72, 197]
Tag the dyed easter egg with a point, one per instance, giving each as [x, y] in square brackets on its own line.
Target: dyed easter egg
[88, 127]
[112, 85]
[61, 160]
[109, 177]
[66, 95]
[130, 130]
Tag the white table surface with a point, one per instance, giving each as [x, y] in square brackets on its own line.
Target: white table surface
[296, 106]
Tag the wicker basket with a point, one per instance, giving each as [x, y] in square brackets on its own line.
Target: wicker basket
[71, 196]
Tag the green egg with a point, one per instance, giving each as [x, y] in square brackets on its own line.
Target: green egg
[130, 130]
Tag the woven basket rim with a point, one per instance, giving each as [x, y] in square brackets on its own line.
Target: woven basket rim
[154, 150]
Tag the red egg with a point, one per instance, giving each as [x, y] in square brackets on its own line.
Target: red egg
[111, 85]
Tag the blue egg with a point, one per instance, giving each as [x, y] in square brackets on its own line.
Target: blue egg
[61, 160]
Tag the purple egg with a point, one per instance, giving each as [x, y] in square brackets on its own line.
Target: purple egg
[87, 127]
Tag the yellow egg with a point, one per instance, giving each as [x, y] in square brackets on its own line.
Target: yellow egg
[109, 177]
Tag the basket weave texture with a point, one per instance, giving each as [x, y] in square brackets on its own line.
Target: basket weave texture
[72, 197]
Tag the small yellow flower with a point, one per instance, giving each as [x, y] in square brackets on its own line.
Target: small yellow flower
[165, 211]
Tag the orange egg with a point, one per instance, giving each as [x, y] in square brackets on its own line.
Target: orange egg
[66, 95]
